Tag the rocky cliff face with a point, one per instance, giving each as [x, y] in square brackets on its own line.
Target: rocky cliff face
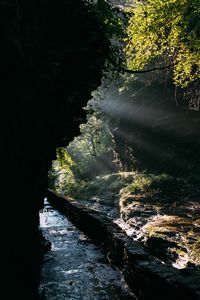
[50, 60]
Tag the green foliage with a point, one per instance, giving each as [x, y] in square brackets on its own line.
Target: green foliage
[99, 185]
[61, 175]
[74, 162]
[93, 133]
[165, 32]
[152, 184]
[109, 18]
[125, 110]
[93, 142]
[64, 159]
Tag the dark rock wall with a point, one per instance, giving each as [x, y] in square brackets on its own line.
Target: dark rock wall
[51, 57]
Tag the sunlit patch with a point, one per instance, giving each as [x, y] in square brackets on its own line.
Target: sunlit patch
[180, 230]
[181, 262]
[73, 271]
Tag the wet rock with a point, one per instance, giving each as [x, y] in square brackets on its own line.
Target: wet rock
[159, 247]
[75, 268]
[147, 276]
[44, 243]
[169, 228]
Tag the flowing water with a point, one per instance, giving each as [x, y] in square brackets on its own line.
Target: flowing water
[75, 268]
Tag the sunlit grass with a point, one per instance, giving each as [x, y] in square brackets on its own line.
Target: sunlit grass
[151, 185]
[112, 183]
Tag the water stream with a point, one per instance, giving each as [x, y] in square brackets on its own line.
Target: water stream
[75, 268]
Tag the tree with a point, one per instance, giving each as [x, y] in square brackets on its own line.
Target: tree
[88, 148]
[165, 33]
[60, 174]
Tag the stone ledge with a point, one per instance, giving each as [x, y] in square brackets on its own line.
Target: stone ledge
[146, 276]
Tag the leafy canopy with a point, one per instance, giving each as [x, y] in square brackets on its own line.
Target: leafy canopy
[165, 32]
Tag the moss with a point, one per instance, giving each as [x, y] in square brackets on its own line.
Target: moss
[159, 188]
[144, 183]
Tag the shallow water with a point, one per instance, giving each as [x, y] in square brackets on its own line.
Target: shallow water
[75, 268]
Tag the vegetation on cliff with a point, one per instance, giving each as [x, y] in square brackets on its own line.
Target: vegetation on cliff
[138, 153]
[165, 33]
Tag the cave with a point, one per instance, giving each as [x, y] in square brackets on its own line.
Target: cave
[51, 56]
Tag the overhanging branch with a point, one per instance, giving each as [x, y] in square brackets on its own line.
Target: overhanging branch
[145, 71]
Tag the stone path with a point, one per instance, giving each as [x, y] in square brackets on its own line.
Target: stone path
[75, 268]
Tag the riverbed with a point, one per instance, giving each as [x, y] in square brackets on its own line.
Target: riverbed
[75, 268]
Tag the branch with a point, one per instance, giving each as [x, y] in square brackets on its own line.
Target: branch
[145, 71]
